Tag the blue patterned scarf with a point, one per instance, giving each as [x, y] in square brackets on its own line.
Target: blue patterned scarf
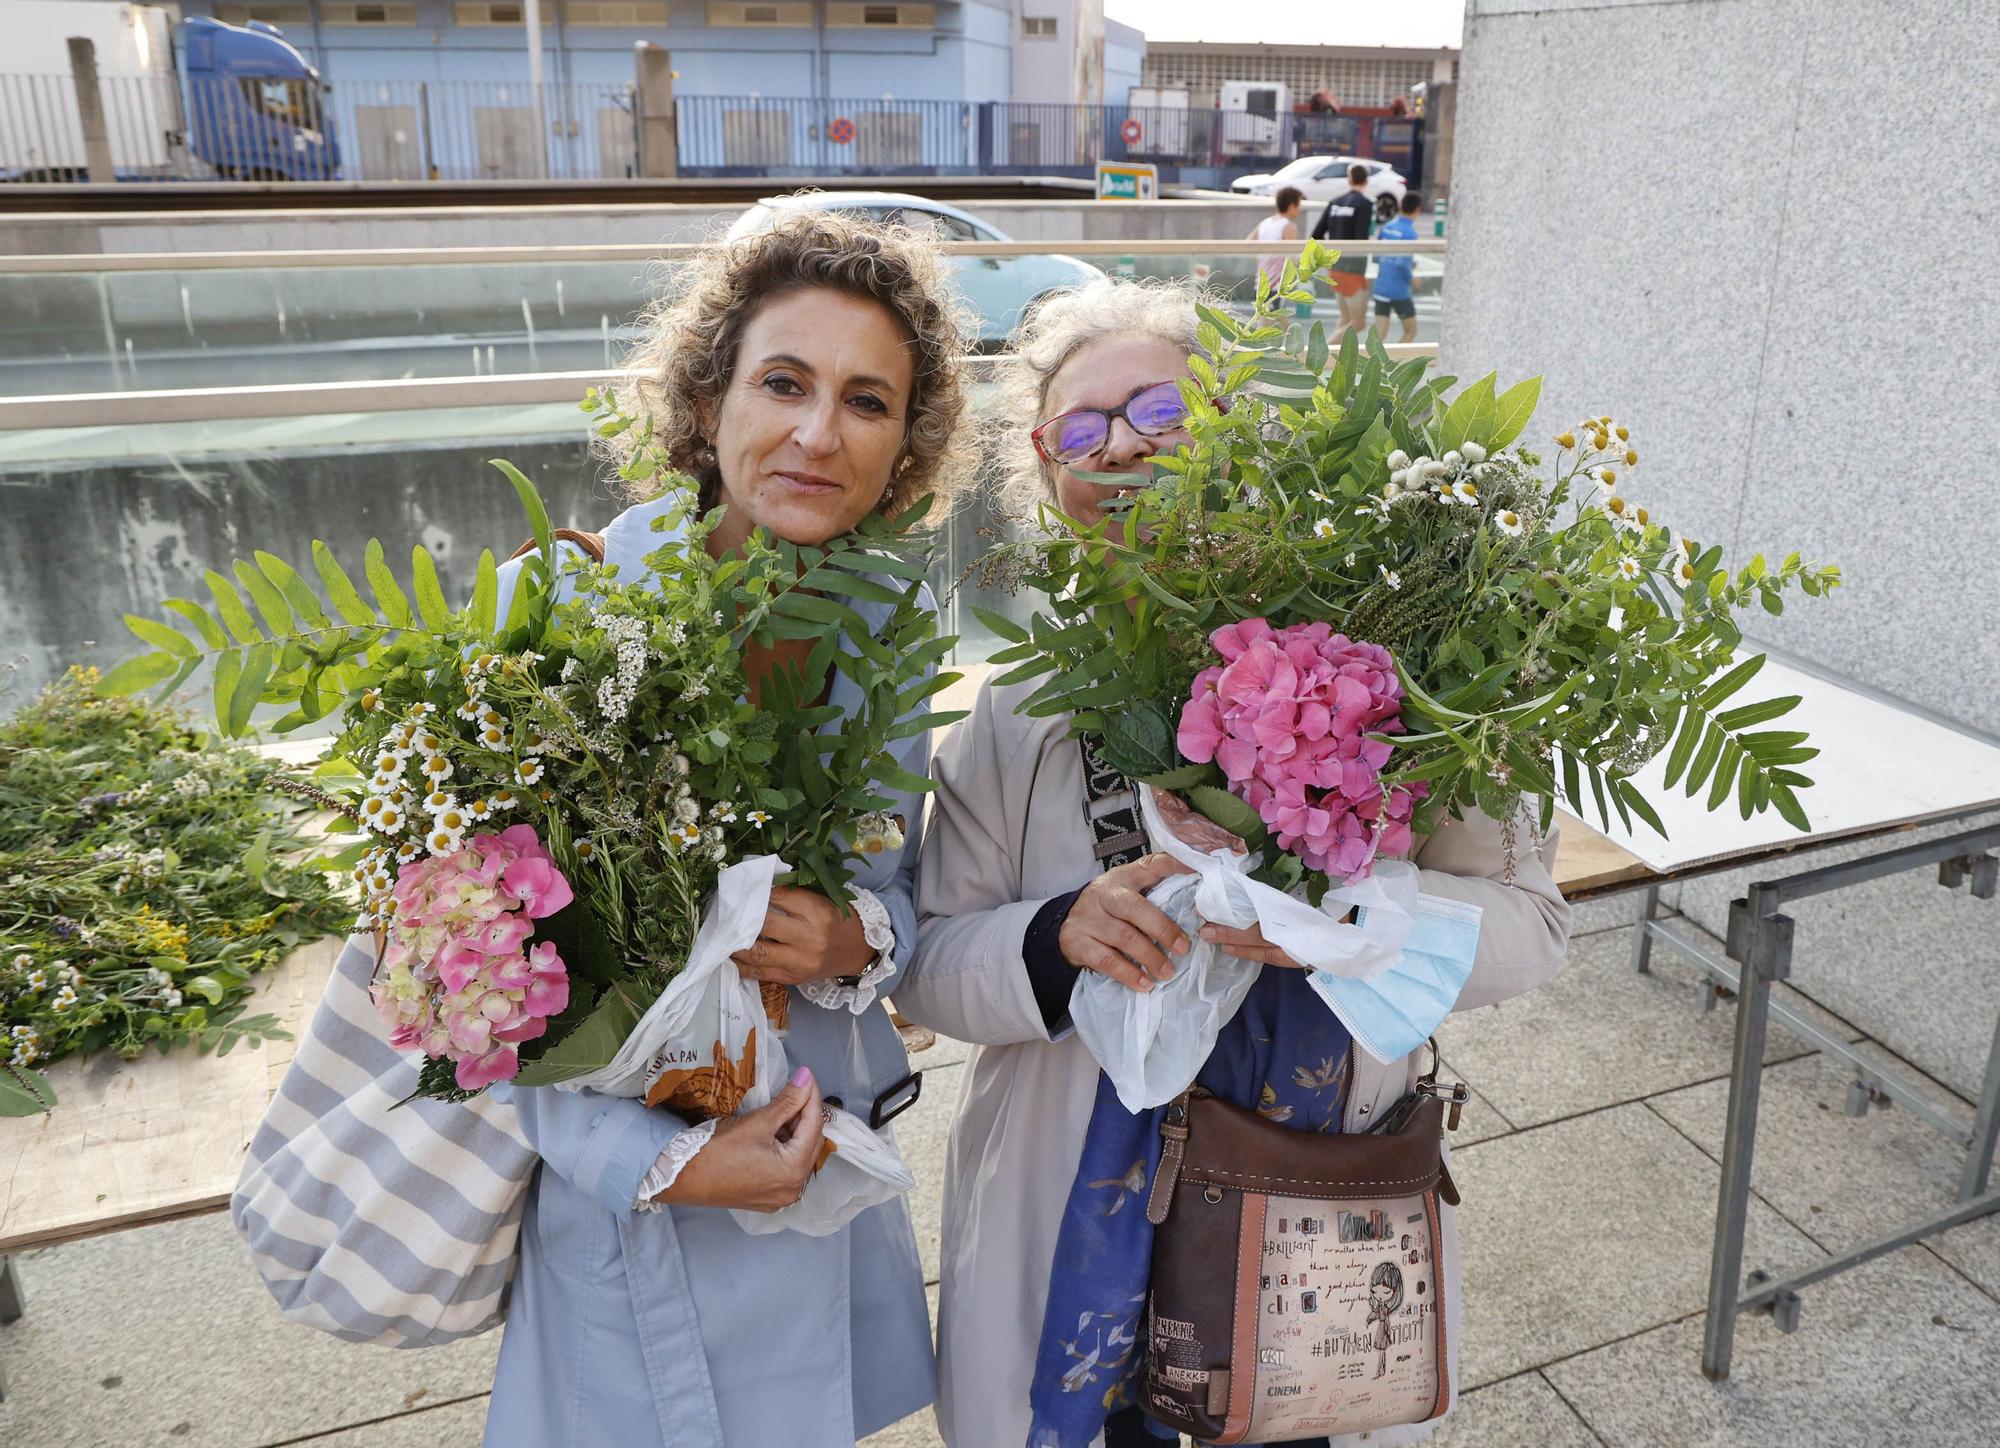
[1283, 1055]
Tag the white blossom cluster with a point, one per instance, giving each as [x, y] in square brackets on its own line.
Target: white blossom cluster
[616, 691]
[685, 833]
[26, 1046]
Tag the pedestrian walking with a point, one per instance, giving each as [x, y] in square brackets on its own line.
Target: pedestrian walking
[1393, 274]
[1346, 218]
[1281, 225]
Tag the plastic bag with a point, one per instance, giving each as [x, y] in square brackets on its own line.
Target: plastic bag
[708, 1045]
[1152, 1043]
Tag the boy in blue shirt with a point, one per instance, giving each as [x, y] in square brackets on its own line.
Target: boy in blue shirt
[1393, 273]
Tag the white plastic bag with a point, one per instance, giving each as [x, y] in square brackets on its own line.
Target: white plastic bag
[709, 1016]
[1152, 1043]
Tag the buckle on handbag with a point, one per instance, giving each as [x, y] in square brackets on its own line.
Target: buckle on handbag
[896, 1100]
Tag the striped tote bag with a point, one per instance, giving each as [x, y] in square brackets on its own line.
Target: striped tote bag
[377, 1225]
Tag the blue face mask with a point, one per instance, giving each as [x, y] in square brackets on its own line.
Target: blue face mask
[1396, 1011]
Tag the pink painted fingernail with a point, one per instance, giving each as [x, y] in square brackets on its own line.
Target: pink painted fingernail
[803, 1077]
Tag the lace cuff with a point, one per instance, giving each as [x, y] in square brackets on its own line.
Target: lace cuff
[680, 1151]
[857, 993]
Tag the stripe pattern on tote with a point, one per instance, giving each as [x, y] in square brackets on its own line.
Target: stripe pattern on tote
[393, 1226]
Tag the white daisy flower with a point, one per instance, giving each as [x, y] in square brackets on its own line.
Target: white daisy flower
[441, 841]
[758, 817]
[453, 819]
[685, 835]
[372, 807]
[528, 771]
[1683, 572]
[425, 742]
[1685, 546]
[724, 812]
[470, 710]
[1508, 522]
[1629, 569]
[534, 743]
[1465, 491]
[1389, 576]
[383, 783]
[1323, 528]
[504, 800]
[493, 737]
[439, 799]
[388, 763]
[390, 820]
[585, 850]
[371, 699]
[422, 710]
[480, 809]
[407, 851]
[436, 768]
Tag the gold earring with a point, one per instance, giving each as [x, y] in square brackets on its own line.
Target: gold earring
[704, 456]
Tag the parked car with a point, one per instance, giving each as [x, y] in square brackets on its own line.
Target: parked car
[1322, 178]
[1001, 288]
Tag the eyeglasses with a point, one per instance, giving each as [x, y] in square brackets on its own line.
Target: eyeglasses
[1150, 412]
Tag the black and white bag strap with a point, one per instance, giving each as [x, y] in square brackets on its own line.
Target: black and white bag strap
[1110, 808]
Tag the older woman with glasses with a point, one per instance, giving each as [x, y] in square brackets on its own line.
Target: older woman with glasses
[1022, 885]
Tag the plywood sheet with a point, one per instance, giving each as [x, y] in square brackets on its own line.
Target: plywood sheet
[145, 1140]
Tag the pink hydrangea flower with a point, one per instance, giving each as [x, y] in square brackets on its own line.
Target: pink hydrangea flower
[461, 980]
[1286, 716]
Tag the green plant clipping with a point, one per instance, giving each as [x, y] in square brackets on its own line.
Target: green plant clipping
[150, 877]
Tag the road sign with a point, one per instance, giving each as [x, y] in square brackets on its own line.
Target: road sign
[1127, 181]
[840, 131]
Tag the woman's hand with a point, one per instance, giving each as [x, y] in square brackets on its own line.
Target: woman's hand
[1114, 930]
[805, 937]
[759, 1161]
[1248, 945]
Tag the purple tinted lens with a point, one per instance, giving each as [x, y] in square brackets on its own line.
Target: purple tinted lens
[1077, 434]
[1157, 409]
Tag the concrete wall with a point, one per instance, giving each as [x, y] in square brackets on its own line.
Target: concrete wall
[572, 225]
[1757, 232]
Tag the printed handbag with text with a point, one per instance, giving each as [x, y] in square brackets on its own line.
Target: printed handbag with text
[1297, 1278]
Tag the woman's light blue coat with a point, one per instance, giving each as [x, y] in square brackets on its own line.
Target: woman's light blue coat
[676, 1329]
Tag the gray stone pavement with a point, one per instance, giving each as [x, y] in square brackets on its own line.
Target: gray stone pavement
[1588, 1163]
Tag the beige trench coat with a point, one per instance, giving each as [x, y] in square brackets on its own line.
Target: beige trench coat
[1006, 832]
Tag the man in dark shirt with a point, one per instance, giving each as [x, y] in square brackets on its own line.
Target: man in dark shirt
[1346, 218]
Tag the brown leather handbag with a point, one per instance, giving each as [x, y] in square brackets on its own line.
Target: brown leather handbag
[1297, 1283]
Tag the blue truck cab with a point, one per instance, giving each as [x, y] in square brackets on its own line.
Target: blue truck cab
[257, 110]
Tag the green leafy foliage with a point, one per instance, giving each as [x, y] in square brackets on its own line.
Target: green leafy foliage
[151, 876]
[1550, 635]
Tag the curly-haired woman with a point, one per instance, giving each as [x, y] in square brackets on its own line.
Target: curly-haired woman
[806, 378]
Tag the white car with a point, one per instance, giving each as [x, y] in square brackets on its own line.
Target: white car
[1322, 178]
[1001, 288]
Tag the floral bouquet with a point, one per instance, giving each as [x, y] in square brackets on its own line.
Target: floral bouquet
[1354, 607]
[1357, 604]
[549, 790]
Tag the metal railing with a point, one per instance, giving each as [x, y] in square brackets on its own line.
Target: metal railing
[319, 399]
[144, 261]
[201, 127]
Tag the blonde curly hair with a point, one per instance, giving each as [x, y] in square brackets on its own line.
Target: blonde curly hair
[1052, 334]
[692, 337]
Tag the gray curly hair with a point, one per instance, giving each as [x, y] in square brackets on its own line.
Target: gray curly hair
[1052, 334]
[691, 338]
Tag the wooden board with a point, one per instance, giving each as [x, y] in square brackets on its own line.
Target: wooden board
[147, 1140]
